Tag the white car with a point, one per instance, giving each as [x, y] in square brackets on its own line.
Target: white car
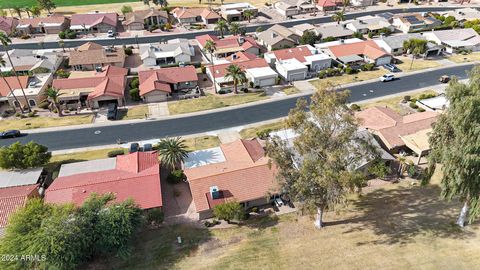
[110, 33]
[387, 78]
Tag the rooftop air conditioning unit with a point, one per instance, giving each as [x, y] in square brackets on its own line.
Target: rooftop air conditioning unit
[215, 192]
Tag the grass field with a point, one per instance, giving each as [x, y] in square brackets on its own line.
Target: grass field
[418, 64]
[44, 122]
[212, 102]
[202, 142]
[460, 58]
[394, 102]
[252, 132]
[137, 112]
[398, 226]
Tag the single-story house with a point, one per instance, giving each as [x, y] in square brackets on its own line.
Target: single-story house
[290, 8]
[326, 5]
[93, 89]
[463, 14]
[390, 127]
[333, 30]
[278, 37]
[228, 45]
[414, 22]
[265, 77]
[456, 39]
[34, 88]
[299, 29]
[156, 85]
[28, 61]
[10, 83]
[143, 19]
[174, 52]
[133, 176]
[394, 44]
[296, 63]
[8, 24]
[195, 15]
[97, 22]
[358, 52]
[367, 24]
[43, 25]
[234, 12]
[90, 56]
[235, 171]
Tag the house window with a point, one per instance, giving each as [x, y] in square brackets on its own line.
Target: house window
[32, 103]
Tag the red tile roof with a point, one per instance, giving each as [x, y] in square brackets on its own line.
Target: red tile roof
[12, 198]
[7, 24]
[221, 70]
[228, 42]
[35, 22]
[368, 48]
[244, 175]
[240, 57]
[92, 19]
[13, 83]
[136, 176]
[185, 13]
[160, 79]
[326, 3]
[298, 53]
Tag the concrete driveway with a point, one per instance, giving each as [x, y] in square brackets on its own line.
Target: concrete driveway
[177, 200]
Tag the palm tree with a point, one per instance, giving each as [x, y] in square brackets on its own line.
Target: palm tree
[345, 4]
[3, 64]
[172, 151]
[415, 47]
[61, 43]
[53, 97]
[237, 75]
[210, 47]
[36, 11]
[18, 10]
[235, 28]
[248, 14]
[221, 26]
[5, 40]
[338, 17]
[28, 11]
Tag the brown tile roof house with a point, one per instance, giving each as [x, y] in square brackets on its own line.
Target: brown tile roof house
[229, 45]
[92, 55]
[193, 15]
[235, 171]
[12, 83]
[389, 126]
[7, 24]
[12, 198]
[49, 25]
[141, 19]
[94, 22]
[156, 85]
[97, 88]
[367, 51]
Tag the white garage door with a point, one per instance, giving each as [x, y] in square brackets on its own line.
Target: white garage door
[296, 76]
[266, 82]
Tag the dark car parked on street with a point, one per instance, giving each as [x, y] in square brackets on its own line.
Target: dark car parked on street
[10, 134]
[112, 111]
[134, 147]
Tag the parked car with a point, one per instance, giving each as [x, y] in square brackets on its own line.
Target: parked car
[147, 147]
[387, 78]
[134, 147]
[10, 134]
[110, 33]
[112, 111]
[444, 79]
[391, 67]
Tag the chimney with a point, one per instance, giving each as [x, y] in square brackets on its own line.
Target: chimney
[214, 192]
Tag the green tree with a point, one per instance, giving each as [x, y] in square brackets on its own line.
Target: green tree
[19, 156]
[338, 17]
[221, 26]
[210, 47]
[379, 169]
[237, 75]
[36, 11]
[53, 97]
[317, 170]
[415, 47]
[172, 151]
[309, 37]
[235, 28]
[455, 143]
[126, 9]
[3, 64]
[47, 5]
[248, 14]
[229, 211]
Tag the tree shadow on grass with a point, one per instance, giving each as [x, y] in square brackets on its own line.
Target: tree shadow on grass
[398, 215]
[262, 221]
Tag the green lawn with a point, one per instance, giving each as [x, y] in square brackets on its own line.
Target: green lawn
[252, 132]
[394, 102]
[137, 112]
[59, 3]
[202, 142]
[44, 122]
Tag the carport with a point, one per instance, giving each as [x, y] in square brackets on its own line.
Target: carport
[418, 142]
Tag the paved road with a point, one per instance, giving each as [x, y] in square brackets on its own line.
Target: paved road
[67, 139]
[192, 35]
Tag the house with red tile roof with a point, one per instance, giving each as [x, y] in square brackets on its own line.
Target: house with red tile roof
[235, 171]
[8, 24]
[326, 5]
[94, 22]
[93, 89]
[229, 45]
[365, 51]
[134, 176]
[195, 15]
[390, 127]
[13, 198]
[257, 71]
[157, 85]
[43, 25]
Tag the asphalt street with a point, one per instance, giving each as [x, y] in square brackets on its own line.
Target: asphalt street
[192, 35]
[85, 137]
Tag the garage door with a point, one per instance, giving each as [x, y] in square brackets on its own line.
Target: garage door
[266, 82]
[296, 76]
[104, 103]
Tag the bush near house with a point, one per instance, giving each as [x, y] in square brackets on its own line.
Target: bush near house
[229, 211]
[115, 153]
[176, 177]
[135, 94]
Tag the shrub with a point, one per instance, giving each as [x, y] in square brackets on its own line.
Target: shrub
[168, 26]
[221, 92]
[259, 29]
[128, 51]
[354, 107]
[176, 176]
[328, 39]
[420, 109]
[134, 83]
[229, 211]
[264, 133]
[407, 98]
[71, 34]
[135, 94]
[155, 216]
[322, 74]
[204, 69]
[115, 153]
[245, 90]
[370, 35]
[62, 35]
[413, 105]
[43, 105]
[18, 114]
[350, 70]
[368, 67]
[251, 84]
[62, 73]
[425, 96]
[32, 114]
